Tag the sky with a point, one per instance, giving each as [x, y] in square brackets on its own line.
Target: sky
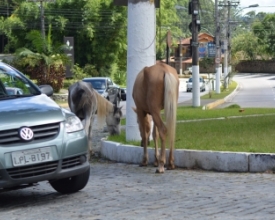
[264, 5]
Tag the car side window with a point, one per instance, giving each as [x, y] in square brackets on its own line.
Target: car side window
[13, 83]
[109, 82]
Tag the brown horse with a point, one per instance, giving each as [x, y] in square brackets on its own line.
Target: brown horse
[85, 102]
[156, 88]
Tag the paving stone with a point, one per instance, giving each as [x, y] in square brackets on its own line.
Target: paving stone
[127, 191]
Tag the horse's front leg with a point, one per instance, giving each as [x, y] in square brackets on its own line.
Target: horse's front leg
[144, 161]
[145, 130]
[88, 129]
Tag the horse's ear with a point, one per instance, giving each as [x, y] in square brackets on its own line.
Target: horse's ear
[135, 110]
[117, 108]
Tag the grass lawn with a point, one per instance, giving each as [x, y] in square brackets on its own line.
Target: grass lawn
[251, 130]
[222, 130]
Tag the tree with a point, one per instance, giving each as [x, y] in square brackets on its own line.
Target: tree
[265, 31]
[43, 63]
[246, 42]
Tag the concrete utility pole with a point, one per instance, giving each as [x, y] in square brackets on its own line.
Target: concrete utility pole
[42, 16]
[225, 45]
[180, 60]
[8, 14]
[42, 19]
[228, 5]
[141, 52]
[218, 49]
[179, 7]
[195, 54]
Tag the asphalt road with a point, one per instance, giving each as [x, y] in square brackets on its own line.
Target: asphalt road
[255, 90]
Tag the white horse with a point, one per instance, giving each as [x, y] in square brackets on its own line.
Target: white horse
[85, 102]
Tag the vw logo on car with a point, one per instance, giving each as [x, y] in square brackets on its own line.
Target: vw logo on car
[26, 133]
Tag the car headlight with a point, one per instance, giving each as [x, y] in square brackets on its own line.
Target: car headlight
[73, 124]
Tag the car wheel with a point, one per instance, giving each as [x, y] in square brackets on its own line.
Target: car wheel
[71, 184]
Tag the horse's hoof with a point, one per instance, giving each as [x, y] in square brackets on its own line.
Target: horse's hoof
[160, 170]
[171, 167]
[143, 164]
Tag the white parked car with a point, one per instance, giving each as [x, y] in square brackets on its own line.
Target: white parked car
[189, 85]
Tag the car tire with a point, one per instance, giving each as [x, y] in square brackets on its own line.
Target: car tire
[71, 184]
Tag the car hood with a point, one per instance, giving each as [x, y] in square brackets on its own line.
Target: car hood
[100, 91]
[190, 83]
[29, 111]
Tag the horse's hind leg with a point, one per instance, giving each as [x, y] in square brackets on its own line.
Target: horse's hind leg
[171, 164]
[162, 134]
[156, 137]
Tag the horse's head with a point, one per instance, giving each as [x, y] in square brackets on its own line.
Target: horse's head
[113, 120]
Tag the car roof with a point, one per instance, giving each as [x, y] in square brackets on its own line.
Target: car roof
[13, 88]
[91, 78]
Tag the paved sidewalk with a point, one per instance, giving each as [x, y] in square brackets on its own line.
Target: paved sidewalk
[128, 192]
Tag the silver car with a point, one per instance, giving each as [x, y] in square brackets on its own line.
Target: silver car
[39, 140]
[189, 84]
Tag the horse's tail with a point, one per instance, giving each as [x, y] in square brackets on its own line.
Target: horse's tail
[171, 85]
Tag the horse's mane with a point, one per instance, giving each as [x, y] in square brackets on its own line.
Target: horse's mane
[103, 108]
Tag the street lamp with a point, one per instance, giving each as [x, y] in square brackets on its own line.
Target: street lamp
[232, 22]
[249, 6]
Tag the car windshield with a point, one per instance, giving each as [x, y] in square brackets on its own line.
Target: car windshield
[14, 84]
[97, 83]
[190, 80]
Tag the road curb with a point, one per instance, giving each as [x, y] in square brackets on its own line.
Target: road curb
[191, 159]
[214, 104]
[221, 101]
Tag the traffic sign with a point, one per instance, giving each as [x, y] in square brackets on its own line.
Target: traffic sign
[217, 60]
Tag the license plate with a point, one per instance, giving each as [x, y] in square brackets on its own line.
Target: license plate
[28, 157]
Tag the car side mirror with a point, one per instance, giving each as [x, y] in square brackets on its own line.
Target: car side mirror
[46, 89]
